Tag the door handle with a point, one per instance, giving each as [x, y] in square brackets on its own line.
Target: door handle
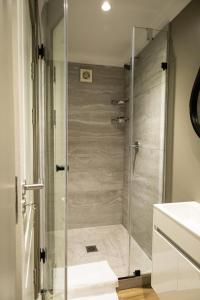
[30, 187]
[33, 187]
[60, 168]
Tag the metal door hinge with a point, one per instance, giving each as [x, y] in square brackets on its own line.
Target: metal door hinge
[41, 51]
[43, 255]
[16, 199]
[60, 168]
[137, 273]
[164, 66]
[43, 293]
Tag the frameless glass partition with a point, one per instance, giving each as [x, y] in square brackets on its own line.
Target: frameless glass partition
[98, 111]
[53, 82]
[116, 153]
[146, 141]
[116, 156]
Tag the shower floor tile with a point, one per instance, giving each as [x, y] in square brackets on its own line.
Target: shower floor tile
[112, 243]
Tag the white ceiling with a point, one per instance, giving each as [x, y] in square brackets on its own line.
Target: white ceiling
[104, 38]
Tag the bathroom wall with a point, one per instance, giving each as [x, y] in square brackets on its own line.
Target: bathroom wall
[185, 153]
[149, 92]
[96, 147]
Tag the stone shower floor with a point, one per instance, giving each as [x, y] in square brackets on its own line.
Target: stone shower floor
[112, 243]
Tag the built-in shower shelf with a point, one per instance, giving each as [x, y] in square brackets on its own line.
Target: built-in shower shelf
[119, 102]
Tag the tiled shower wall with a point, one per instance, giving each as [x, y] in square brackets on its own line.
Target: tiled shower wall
[99, 152]
[96, 147]
[149, 91]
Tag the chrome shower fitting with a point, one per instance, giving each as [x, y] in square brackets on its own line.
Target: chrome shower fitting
[119, 102]
[136, 146]
[120, 120]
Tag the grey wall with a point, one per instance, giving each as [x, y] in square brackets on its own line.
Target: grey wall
[149, 93]
[185, 34]
[96, 148]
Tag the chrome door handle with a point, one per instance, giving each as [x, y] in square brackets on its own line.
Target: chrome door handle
[31, 187]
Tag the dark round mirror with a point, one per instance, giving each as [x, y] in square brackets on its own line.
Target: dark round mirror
[195, 105]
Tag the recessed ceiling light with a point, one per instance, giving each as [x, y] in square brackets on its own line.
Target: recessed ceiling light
[106, 6]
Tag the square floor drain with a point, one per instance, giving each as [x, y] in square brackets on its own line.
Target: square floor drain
[92, 248]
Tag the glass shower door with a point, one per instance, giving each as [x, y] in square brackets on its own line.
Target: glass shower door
[59, 86]
[147, 141]
[53, 95]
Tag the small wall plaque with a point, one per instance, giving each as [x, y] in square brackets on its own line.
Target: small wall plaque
[86, 75]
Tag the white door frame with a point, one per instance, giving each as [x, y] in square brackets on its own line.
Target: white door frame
[7, 157]
[24, 234]
[12, 115]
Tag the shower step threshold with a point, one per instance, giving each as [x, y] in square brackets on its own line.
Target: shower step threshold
[91, 279]
[87, 280]
[110, 296]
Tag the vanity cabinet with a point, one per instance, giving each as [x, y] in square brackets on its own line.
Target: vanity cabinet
[175, 274]
[164, 268]
[188, 279]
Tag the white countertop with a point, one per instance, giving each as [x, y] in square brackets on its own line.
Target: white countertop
[187, 214]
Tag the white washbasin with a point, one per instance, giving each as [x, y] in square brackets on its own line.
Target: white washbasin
[187, 214]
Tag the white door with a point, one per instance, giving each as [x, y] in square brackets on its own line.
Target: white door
[7, 159]
[16, 152]
[27, 213]
[24, 149]
[27, 161]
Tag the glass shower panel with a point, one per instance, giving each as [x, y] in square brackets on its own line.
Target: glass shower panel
[97, 185]
[128, 90]
[147, 141]
[52, 35]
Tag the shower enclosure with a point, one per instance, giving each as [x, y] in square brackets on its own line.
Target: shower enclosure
[117, 156]
[146, 142]
[101, 153]
[52, 93]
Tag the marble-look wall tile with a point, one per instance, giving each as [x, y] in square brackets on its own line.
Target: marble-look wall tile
[96, 148]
